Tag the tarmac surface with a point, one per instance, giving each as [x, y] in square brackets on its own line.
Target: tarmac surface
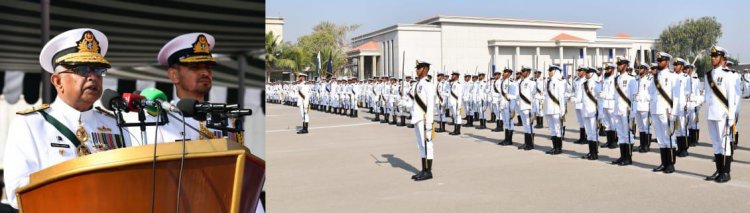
[354, 165]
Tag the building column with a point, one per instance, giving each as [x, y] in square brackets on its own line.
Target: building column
[561, 56]
[596, 59]
[374, 63]
[515, 59]
[614, 54]
[627, 53]
[536, 60]
[584, 58]
[361, 67]
[643, 59]
[494, 57]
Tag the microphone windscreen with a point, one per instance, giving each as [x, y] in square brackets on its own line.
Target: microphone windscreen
[107, 97]
[187, 106]
[152, 94]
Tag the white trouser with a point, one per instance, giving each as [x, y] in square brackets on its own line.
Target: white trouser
[554, 125]
[606, 118]
[579, 118]
[589, 124]
[456, 114]
[496, 109]
[720, 139]
[681, 131]
[663, 128]
[622, 126]
[424, 139]
[642, 119]
[480, 107]
[507, 119]
[304, 112]
[692, 118]
[525, 120]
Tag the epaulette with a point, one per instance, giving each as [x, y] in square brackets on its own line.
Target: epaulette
[725, 69]
[33, 109]
[105, 112]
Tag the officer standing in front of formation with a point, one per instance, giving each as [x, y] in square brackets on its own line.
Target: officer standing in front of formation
[642, 114]
[589, 112]
[454, 102]
[303, 102]
[508, 95]
[625, 87]
[71, 127]
[422, 118]
[722, 100]
[578, 100]
[554, 107]
[526, 91]
[663, 95]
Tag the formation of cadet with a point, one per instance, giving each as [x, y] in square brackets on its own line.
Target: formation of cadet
[617, 100]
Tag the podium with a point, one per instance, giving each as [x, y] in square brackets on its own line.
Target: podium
[218, 176]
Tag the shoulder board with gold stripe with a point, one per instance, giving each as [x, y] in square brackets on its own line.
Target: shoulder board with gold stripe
[105, 112]
[33, 109]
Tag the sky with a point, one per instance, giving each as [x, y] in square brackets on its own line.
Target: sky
[637, 18]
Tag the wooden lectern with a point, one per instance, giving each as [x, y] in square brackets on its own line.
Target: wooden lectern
[218, 176]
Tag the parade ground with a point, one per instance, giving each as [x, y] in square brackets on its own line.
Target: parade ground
[354, 165]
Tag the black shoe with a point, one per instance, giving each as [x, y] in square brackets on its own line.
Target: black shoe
[427, 172]
[498, 126]
[482, 124]
[628, 155]
[469, 120]
[622, 155]
[492, 117]
[663, 155]
[304, 129]
[670, 161]
[377, 117]
[385, 119]
[539, 123]
[558, 149]
[508, 138]
[456, 130]
[440, 128]
[718, 162]
[554, 146]
[424, 167]
[529, 140]
[682, 146]
[726, 169]
[403, 121]
[410, 126]
[612, 143]
[393, 121]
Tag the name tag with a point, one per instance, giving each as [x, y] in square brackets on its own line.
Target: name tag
[59, 145]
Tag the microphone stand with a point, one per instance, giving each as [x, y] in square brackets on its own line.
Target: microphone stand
[163, 120]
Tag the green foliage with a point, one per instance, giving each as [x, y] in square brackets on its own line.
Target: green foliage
[689, 37]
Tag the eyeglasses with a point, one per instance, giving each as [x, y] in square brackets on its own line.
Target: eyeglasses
[86, 70]
[660, 59]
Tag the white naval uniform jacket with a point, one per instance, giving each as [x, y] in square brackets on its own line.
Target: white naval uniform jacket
[526, 89]
[727, 84]
[642, 95]
[578, 94]
[626, 84]
[505, 94]
[588, 92]
[303, 94]
[696, 88]
[424, 102]
[456, 94]
[467, 90]
[608, 91]
[684, 91]
[555, 88]
[35, 144]
[668, 82]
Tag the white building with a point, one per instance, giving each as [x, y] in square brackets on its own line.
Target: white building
[275, 25]
[476, 43]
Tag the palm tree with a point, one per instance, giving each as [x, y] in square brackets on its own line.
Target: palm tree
[273, 51]
[294, 58]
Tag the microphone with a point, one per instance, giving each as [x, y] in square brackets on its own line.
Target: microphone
[111, 100]
[155, 97]
[193, 108]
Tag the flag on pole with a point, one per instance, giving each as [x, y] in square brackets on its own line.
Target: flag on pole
[330, 63]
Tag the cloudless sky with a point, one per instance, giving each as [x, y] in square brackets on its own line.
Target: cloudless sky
[638, 18]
